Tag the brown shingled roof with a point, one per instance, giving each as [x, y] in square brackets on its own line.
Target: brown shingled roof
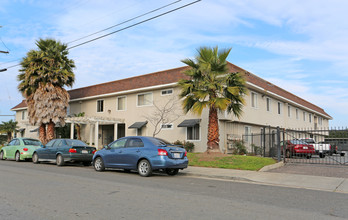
[172, 76]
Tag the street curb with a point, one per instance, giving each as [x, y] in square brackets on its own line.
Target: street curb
[217, 177]
[271, 167]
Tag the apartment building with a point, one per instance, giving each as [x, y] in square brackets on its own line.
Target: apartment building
[131, 107]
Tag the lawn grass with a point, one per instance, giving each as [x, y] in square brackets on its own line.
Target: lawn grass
[239, 162]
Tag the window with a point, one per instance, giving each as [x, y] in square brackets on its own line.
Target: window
[144, 99]
[289, 111]
[135, 142]
[100, 105]
[320, 120]
[23, 115]
[50, 144]
[118, 143]
[280, 108]
[167, 126]
[296, 113]
[247, 132]
[253, 100]
[121, 103]
[310, 118]
[304, 116]
[193, 133]
[167, 92]
[68, 110]
[268, 104]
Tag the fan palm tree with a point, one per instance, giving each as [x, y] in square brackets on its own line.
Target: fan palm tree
[8, 127]
[211, 85]
[42, 77]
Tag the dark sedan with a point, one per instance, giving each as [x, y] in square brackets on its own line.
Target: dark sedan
[64, 150]
[144, 154]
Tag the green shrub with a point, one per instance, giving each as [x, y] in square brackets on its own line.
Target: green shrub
[189, 146]
[239, 147]
[256, 149]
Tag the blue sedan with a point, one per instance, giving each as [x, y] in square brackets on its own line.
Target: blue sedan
[144, 154]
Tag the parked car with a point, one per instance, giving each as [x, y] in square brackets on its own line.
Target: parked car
[61, 151]
[321, 149]
[19, 149]
[144, 154]
[334, 148]
[297, 148]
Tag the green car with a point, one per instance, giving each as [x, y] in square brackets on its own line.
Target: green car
[19, 149]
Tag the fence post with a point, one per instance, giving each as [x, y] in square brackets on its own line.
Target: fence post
[284, 145]
[278, 143]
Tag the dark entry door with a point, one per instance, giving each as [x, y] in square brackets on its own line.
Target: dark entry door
[121, 130]
[107, 134]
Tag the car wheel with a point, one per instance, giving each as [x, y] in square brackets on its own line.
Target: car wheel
[287, 154]
[35, 158]
[18, 156]
[309, 156]
[321, 155]
[144, 168]
[86, 164]
[60, 160]
[172, 172]
[99, 164]
[2, 155]
[342, 154]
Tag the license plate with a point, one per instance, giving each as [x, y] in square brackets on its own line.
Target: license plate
[305, 147]
[176, 155]
[84, 151]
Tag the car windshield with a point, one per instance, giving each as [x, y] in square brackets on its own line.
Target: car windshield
[159, 142]
[31, 142]
[75, 143]
[297, 142]
[309, 141]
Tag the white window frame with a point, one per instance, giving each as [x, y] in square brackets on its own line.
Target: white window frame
[289, 111]
[164, 90]
[247, 134]
[304, 116]
[297, 114]
[23, 114]
[320, 120]
[199, 134]
[253, 99]
[171, 128]
[310, 118]
[268, 104]
[125, 103]
[279, 108]
[144, 94]
[103, 105]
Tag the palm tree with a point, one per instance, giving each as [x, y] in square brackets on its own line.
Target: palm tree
[42, 77]
[211, 85]
[8, 127]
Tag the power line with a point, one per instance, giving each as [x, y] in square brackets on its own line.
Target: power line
[143, 21]
[157, 9]
[122, 29]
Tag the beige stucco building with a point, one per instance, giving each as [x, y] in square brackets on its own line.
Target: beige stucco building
[132, 106]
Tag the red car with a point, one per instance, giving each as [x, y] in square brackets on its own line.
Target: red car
[297, 148]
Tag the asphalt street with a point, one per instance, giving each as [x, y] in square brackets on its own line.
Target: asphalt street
[45, 191]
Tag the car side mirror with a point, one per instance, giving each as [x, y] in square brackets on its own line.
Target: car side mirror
[106, 147]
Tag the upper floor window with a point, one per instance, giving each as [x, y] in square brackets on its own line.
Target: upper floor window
[100, 105]
[121, 103]
[304, 116]
[289, 111]
[167, 92]
[144, 99]
[296, 113]
[253, 100]
[280, 106]
[268, 104]
[320, 120]
[23, 115]
[310, 118]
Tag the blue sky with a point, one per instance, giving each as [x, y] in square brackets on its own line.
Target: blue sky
[300, 46]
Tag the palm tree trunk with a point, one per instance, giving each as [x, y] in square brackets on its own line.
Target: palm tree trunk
[42, 133]
[50, 131]
[9, 136]
[213, 131]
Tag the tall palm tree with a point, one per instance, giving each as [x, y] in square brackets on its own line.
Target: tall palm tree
[211, 85]
[8, 127]
[42, 77]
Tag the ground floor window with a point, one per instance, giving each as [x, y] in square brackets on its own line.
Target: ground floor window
[193, 133]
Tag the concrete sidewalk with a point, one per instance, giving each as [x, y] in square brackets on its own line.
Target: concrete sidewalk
[279, 179]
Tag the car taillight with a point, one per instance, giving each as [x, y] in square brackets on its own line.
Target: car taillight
[25, 149]
[185, 153]
[296, 146]
[162, 152]
[72, 150]
[93, 152]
